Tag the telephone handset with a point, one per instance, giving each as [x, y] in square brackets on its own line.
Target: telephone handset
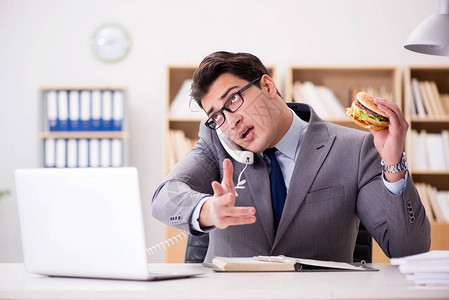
[236, 152]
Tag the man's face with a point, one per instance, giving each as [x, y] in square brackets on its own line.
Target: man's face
[255, 125]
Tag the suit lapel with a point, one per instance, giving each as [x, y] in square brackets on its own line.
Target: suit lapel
[258, 182]
[314, 149]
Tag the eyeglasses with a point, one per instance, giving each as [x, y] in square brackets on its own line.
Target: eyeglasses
[234, 102]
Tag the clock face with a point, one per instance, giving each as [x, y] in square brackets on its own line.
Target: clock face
[110, 43]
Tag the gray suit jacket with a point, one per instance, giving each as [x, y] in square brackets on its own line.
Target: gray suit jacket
[336, 182]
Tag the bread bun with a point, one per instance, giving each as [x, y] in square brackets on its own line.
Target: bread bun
[368, 101]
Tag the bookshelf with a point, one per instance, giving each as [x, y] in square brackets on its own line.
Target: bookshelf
[344, 82]
[181, 132]
[431, 123]
[83, 126]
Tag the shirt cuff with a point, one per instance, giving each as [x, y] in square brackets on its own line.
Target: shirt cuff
[396, 188]
[196, 215]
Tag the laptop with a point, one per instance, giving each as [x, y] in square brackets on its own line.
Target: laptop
[84, 222]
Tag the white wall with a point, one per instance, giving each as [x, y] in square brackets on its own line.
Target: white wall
[46, 43]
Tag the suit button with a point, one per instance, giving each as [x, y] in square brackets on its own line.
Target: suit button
[409, 204]
[412, 219]
[411, 215]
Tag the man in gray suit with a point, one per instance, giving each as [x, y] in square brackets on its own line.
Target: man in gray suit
[332, 176]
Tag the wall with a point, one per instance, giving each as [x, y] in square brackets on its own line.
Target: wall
[46, 43]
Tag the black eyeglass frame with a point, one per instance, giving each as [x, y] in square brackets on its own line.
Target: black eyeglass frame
[210, 122]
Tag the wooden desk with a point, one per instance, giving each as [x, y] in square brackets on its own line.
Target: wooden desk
[388, 283]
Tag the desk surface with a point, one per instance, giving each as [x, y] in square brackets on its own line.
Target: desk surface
[388, 283]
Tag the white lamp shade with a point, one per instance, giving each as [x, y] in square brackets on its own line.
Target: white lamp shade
[432, 35]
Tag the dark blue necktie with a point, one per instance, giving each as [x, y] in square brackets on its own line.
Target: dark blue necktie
[278, 190]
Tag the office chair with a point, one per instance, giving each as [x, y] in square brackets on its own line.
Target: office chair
[197, 247]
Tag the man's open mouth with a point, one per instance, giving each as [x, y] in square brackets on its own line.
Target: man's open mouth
[247, 131]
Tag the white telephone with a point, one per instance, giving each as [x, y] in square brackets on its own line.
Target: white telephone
[236, 152]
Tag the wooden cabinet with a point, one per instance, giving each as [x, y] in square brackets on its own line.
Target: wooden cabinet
[430, 124]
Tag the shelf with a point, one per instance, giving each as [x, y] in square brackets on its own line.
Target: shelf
[342, 79]
[185, 119]
[84, 135]
[74, 148]
[76, 88]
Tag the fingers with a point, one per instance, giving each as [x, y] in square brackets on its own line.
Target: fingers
[228, 215]
[228, 170]
[220, 210]
[394, 113]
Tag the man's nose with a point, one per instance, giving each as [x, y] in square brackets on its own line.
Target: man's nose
[232, 119]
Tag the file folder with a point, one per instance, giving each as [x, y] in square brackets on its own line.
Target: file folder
[63, 111]
[85, 96]
[118, 110]
[83, 153]
[74, 110]
[96, 110]
[52, 110]
[107, 110]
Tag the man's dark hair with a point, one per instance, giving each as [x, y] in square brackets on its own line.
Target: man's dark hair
[243, 65]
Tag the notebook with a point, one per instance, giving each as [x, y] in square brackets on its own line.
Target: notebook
[84, 222]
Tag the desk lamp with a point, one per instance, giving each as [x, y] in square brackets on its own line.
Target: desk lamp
[432, 35]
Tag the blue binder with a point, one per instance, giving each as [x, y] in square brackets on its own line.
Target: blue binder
[106, 110]
[118, 108]
[51, 108]
[63, 111]
[96, 122]
[85, 110]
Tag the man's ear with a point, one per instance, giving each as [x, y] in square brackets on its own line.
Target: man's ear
[267, 84]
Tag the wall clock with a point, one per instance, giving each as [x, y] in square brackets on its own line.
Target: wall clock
[110, 43]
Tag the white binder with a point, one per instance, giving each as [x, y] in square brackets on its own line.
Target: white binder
[61, 152]
[74, 110]
[105, 153]
[94, 153]
[83, 153]
[107, 110]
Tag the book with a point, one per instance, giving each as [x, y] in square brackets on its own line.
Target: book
[422, 190]
[436, 156]
[418, 98]
[281, 264]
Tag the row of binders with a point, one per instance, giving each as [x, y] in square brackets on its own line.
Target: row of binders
[429, 151]
[84, 110]
[435, 202]
[83, 153]
[428, 102]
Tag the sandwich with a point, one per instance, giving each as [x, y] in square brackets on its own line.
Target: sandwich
[365, 113]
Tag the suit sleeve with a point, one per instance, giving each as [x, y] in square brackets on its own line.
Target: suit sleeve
[397, 222]
[187, 183]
